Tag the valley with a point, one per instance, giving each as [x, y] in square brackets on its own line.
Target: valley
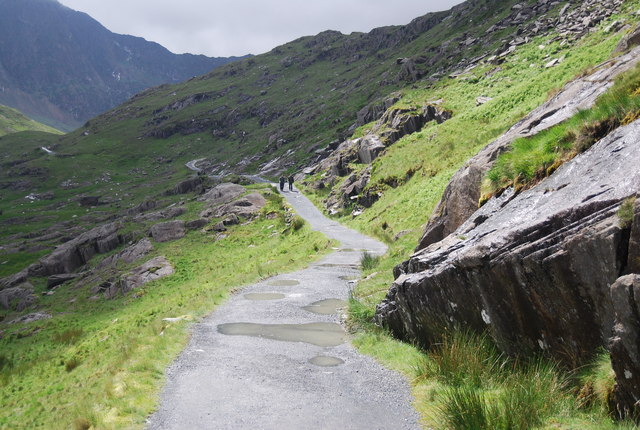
[490, 149]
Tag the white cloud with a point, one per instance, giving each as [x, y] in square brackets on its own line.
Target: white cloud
[237, 27]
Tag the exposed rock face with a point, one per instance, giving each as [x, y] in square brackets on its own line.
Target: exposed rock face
[460, 199]
[634, 241]
[56, 280]
[17, 298]
[222, 193]
[187, 186]
[153, 269]
[129, 254]
[245, 206]
[168, 231]
[625, 345]
[535, 269]
[77, 252]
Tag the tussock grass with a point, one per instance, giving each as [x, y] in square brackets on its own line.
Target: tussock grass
[626, 212]
[532, 159]
[369, 261]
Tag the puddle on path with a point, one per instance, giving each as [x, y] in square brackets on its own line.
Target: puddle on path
[349, 266]
[320, 334]
[349, 278]
[326, 361]
[348, 250]
[284, 283]
[264, 296]
[326, 307]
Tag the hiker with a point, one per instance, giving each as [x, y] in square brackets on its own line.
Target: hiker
[291, 183]
[282, 179]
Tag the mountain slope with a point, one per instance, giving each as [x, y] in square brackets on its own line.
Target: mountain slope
[12, 121]
[62, 67]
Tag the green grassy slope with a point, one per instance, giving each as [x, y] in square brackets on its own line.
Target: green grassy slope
[12, 121]
[101, 363]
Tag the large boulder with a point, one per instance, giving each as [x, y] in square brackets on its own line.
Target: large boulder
[129, 254]
[18, 298]
[194, 184]
[625, 345]
[77, 252]
[245, 206]
[461, 197]
[168, 231]
[222, 193]
[168, 213]
[534, 268]
[156, 268]
[634, 240]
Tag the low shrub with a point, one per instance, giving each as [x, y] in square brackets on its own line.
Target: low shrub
[369, 261]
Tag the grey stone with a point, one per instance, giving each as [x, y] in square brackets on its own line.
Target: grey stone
[533, 268]
[625, 345]
[461, 197]
[168, 231]
[18, 298]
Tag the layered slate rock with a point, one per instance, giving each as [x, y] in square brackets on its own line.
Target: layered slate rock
[168, 231]
[535, 268]
[77, 252]
[156, 268]
[625, 345]
[245, 206]
[18, 298]
[461, 197]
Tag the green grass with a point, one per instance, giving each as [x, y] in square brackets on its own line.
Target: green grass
[12, 121]
[103, 361]
[532, 159]
[626, 212]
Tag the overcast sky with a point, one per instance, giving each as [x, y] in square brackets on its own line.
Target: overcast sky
[223, 28]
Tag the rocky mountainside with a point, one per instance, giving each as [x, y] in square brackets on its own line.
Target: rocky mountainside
[551, 269]
[62, 67]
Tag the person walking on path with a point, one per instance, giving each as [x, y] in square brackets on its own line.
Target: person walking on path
[291, 183]
[282, 180]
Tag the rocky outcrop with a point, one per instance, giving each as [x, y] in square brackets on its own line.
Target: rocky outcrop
[634, 240]
[534, 268]
[222, 193]
[129, 254]
[625, 346]
[245, 206]
[460, 198]
[195, 184]
[18, 298]
[168, 231]
[392, 126]
[77, 252]
[156, 268]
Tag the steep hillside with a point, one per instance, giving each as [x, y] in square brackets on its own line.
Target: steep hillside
[61, 67]
[376, 125]
[12, 121]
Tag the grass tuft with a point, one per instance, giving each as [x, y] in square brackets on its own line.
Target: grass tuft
[369, 261]
[626, 212]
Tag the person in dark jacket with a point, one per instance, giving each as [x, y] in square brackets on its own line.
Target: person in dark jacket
[282, 180]
[291, 183]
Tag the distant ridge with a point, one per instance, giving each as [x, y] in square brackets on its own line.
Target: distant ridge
[61, 67]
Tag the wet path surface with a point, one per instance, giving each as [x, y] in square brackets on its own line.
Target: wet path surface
[275, 356]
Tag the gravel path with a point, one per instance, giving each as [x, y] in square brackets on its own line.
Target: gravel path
[258, 377]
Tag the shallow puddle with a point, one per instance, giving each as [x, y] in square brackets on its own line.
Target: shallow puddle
[350, 266]
[320, 334]
[284, 283]
[326, 307]
[326, 361]
[348, 250]
[264, 296]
